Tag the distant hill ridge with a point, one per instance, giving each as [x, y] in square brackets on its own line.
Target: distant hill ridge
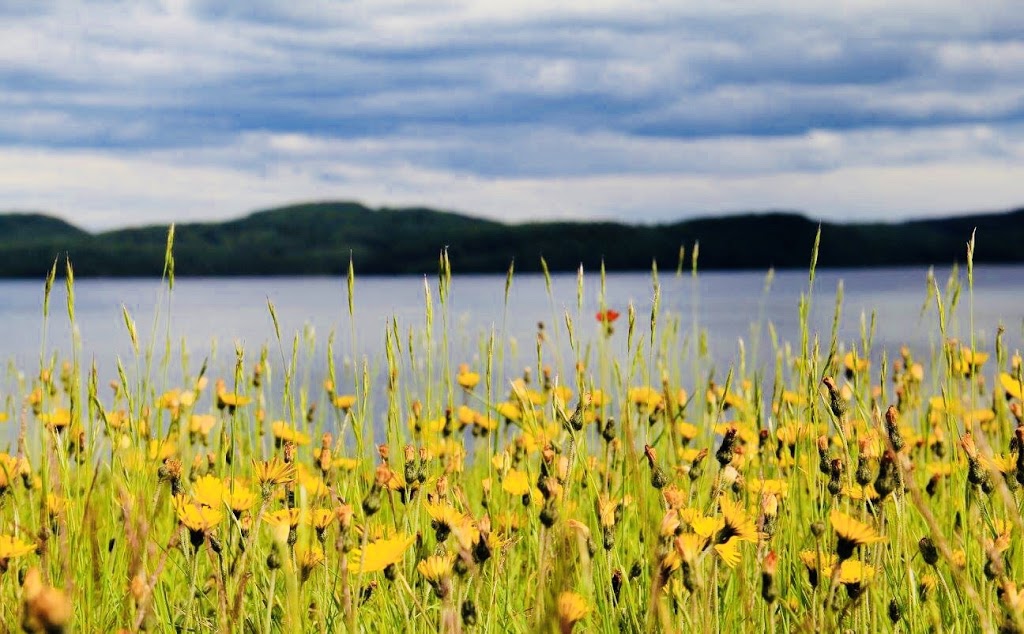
[318, 238]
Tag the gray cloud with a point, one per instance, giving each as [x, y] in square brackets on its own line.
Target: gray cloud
[513, 110]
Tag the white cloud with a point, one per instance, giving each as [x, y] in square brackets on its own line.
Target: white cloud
[837, 176]
[129, 113]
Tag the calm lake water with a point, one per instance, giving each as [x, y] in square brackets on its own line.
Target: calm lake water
[211, 315]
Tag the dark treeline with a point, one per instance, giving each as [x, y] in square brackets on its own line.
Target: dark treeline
[315, 239]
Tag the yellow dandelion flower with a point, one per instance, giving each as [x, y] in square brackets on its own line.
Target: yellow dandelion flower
[308, 558]
[689, 545]
[238, 496]
[467, 379]
[851, 533]
[853, 364]
[706, 527]
[161, 450]
[509, 411]
[319, 518]
[854, 571]
[735, 523]
[515, 483]
[969, 361]
[12, 547]
[273, 472]
[287, 433]
[230, 400]
[209, 491]
[686, 431]
[774, 487]
[1011, 385]
[57, 419]
[11, 468]
[563, 394]
[572, 608]
[729, 552]
[283, 517]
[196, 517]
[436, 567]
[344, 402]
[201, 424]
[346, 464]
[793, 398]
[379, 554]
[644, 397]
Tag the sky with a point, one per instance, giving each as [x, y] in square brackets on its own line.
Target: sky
[127, 113]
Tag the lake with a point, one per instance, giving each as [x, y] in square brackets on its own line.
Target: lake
[211, 315]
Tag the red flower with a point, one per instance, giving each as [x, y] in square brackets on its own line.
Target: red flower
[607, 316]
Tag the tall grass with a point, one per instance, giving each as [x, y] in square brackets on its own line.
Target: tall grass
[593, 489]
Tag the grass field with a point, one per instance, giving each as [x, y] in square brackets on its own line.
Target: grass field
[837, 487]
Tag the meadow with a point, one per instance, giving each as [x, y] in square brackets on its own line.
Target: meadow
[836, 487]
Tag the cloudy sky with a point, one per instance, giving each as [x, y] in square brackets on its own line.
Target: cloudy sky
[118, 113]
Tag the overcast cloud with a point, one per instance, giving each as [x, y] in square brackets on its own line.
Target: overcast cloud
[118, 113]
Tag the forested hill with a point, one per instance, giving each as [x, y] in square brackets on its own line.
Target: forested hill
[313, 239]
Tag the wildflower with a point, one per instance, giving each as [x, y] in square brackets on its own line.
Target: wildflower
[162, 449]
[238, 496]
[12, 547]
[273, 472]
[467, 379]
[853, 574]
[766, 486]
[515, 483]
[229, 400]
[200, 425]
[818, 565]
[45, 609]
[58, 419]
[198, 519]
[11, 468]
[379, 554]
[344, 402]
[851, 534]
[283, 432]
[969, 361]
[927, 585]
[572, 608]
[729, 551]
[735, 523]
[308, 559]
[607, 319]
[1011, 385]
[283, 517]
[607, 316]
[320, 519]
[644, 397]
[854, 364]
[443, 518]
[437, 570]
[209, 491]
